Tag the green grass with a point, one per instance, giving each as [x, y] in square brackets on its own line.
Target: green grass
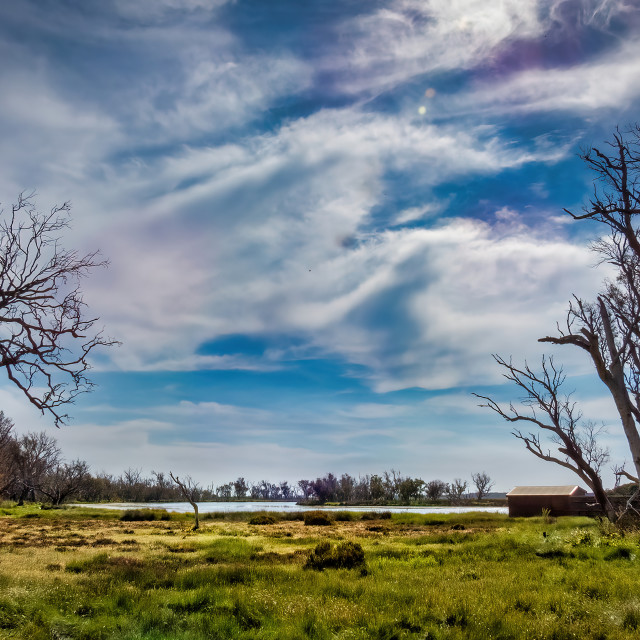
[77, 574]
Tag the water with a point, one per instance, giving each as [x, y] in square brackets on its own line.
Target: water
[229, 507]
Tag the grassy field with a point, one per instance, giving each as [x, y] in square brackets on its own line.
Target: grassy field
[77, 573]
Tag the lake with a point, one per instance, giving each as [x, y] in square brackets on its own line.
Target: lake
[227, 507]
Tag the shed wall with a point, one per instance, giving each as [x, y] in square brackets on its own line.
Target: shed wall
[523, 506]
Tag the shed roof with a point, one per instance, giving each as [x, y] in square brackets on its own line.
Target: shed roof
[558, 490]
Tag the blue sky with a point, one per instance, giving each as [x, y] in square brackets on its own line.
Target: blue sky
[321, 219]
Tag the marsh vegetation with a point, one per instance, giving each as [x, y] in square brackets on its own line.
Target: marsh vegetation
[74, 573]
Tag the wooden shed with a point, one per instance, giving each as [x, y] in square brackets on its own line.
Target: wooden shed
[559, 500]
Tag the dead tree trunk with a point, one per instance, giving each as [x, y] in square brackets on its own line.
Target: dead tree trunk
[190, 491]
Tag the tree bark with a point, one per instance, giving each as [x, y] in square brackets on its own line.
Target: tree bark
[618, 388]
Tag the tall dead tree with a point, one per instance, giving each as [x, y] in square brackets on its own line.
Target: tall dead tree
[609, 328]
[46, 337]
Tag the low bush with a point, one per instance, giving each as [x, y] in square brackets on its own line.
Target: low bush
[344, 516]
[263, 518]
[346, 555]
[317, 518]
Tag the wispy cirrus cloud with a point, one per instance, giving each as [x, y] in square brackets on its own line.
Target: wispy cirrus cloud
[407, 38]
[611, 83]
[295, 207]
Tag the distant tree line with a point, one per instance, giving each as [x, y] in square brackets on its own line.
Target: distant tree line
[32, 469]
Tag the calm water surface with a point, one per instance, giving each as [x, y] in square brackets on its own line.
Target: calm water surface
[217, 507]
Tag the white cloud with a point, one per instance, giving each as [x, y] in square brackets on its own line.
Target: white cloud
[454, 403]
[415, 214]
[189, 410]
[598, 13]
[373, 411]
[134, 443]
[271, 233]
[412, 37]
[274, 237]
[611, 82]
[149, 10]
[48, 138]
[196, 362]
[212, 92]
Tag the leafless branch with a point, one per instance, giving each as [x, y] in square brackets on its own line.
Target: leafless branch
[556, 415]
[45, 335]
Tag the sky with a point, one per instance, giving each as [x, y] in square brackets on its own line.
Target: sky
[321, 218]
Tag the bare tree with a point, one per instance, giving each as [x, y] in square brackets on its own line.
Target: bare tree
[347, 487]
[554, 414]
[410, 489]
[8, 454]
[190, 491]
[46, 338]
[483, 484]
[65, 481]
[225, 491]
[159, 487]
[38, 455]
[132, 485]
[285, 490]
[434, 490]
[608, 329]
[306, 486]
[455, 490]
[240, 488]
